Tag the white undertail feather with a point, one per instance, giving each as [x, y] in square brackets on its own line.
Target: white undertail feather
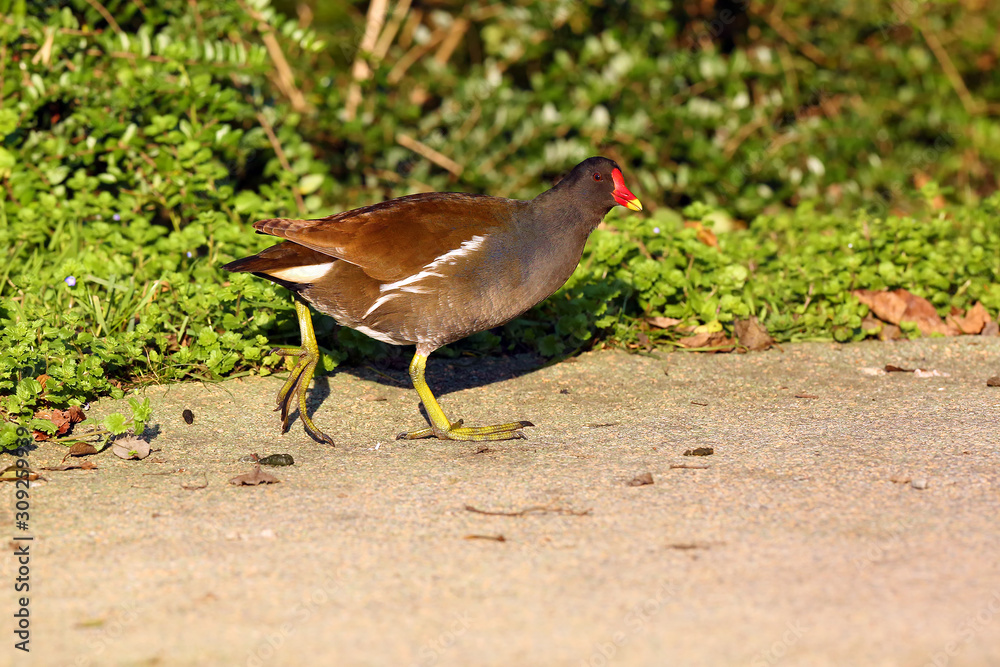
[302, 274]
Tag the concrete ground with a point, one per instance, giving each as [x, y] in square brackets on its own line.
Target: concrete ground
[845, 518]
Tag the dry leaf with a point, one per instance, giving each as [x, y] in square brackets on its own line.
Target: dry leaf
[902, 306]
[703, 233]
[662, 322]
[715, 339]
[975, 319]
[63, 419]
[254, 478]
[82, 465]
[12, 473]
[752, 335]
[81, 449]
[130, 448]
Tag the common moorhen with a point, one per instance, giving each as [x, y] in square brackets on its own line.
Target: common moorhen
[429, 269]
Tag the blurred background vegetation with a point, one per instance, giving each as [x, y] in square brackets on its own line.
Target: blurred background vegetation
[787, 153]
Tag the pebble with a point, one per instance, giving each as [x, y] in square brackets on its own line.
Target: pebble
[919, 484]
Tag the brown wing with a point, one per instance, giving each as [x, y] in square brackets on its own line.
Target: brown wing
[398, 237]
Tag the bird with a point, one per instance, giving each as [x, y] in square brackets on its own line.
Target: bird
[429, 269]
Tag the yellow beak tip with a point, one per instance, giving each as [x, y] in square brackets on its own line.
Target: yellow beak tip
[634, 204]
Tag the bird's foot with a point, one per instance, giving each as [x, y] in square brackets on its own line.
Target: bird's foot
[295, 389]
[509, 431]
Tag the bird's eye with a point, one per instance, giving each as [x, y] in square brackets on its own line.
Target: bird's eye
[597, 176]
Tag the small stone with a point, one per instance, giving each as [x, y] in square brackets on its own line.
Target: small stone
[919, 484]
[993, 381]
[642, 479]
[267, 533]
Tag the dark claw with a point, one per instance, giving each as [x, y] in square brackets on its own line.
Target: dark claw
[318, 435]
[402, 436]
[524, 423]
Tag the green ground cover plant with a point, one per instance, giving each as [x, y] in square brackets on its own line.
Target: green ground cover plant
[828, 150]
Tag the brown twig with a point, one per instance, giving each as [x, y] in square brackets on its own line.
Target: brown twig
[426, 151]
[273, 138]
[742, 135]
[537, 509]
[285, 77]
[413, 55]
[390, 30]
[786, 32]
[106, 14]
[458, 29]
[360, 71]
[972, 106]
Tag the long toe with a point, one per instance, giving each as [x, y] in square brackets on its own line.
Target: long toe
[508, 431]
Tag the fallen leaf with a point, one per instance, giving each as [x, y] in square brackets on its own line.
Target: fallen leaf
[81, 449]
[12, 473]
[889, 368]
[662, 322]
[806, 396]
[902, 306]
[642, 479]
[254, 478]
[82, 465]
[991, 329]
[130, 448]
[716, 341]
[752, 335]
[703, 233]
[993, 381]
[699, 451]
[974, 320]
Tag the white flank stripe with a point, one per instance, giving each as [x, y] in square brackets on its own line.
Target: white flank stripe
[467, 248]
[302, 274]
[378, 302]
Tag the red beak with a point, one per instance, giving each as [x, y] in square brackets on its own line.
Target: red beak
[622, 194]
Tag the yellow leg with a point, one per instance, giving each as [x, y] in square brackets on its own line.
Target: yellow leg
[441, 427]
[301, 375]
